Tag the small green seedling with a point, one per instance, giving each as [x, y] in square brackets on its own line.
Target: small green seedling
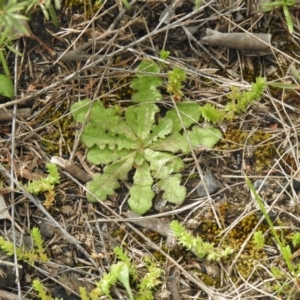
[238, 104]
[123, 271]
[45, 184]
[164, 54]
[285, 4]
[11, 22]
[175, 79]
[30, 256]
[41, 291]
[284, 249]
[197, 245]
[46, 7]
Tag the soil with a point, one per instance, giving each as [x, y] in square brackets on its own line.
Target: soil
[93, 54]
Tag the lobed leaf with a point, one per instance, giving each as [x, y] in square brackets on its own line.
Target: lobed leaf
[101, 186]
[103, 123]
[105, 156]
[141, 118]
[84, 109]
[104, 184]
[159, 131]
[146, 85]
[147, 66]
[173, 143]
[206, 137]
[162, 164]
[189, 114]
[141, 193]
[174, 192]
[112, 139]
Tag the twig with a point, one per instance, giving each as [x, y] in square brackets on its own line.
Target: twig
[256, 44]
[7, 115]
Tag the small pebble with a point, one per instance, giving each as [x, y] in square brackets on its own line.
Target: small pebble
[212, 184]
[261, 185]
[296, 187]
[47, 230]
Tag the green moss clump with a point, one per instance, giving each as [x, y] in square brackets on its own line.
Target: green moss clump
[116, 89]
[209, 280]
[210, 232]
[59, 134]
[260, 142]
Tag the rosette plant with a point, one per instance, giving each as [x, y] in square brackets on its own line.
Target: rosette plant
[135, 141]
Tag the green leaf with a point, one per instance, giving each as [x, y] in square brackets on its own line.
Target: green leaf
[95, 135]
[101, 186]
[105, 128]
[197, 245]
[6, 86]
[295, 72]
[189, 114]
[206, 137]
[173, 143]
[283, 85]
[286, 252]
[104, 184]
[105, 156]
[174, 192]
[159, 131]
[126, 4]
[124, 279]
[123, 256]
[148, 66]
[84, 109]
[109, 279]
[45, 184]
[139, 157]
[40, 289]
[141, 193]
[140, 198]
[141, 118]
[277, 273]
[146, 85]
[121, 167]
[53, 15]
[288, 18]
[162, 164]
